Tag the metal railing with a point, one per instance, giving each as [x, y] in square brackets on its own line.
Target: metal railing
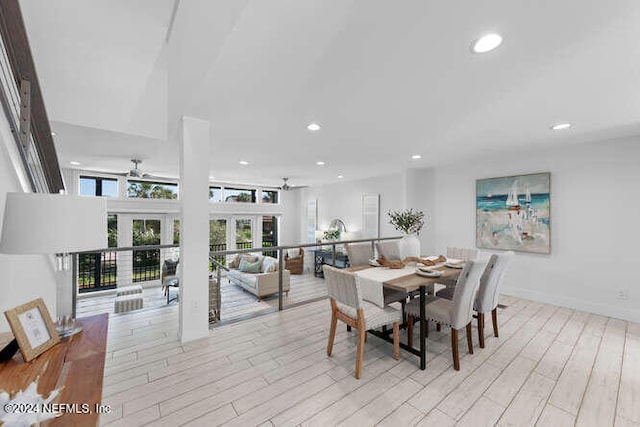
[215, 255]
[23, 105]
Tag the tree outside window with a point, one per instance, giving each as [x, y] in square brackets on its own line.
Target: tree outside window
[151, 190]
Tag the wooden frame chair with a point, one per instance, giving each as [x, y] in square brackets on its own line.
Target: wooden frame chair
[347, 306]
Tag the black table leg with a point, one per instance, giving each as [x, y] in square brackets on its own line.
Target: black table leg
[423, 330]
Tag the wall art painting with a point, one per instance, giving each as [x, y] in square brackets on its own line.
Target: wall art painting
[514, 213]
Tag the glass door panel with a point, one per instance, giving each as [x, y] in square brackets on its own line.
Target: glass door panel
[146, 263]
[244, 231]
[270, 234]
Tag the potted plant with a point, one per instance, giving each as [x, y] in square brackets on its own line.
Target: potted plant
[409, 222]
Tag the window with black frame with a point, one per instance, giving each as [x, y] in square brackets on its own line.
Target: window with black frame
[98, 186]
[239, 195]
[269, 196]
[151, 190]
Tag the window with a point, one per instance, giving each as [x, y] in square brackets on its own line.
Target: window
[146, 263]
[176, 231]
[96, 186]
[270, 234]
[243, 234]
[269, 196]
[215, 194]
[112, 230]
[233, 195]
[151, 190]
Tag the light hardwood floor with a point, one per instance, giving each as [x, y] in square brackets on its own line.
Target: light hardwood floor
[551, 366]
[236, 303]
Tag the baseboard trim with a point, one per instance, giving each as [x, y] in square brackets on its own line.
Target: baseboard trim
[576, 304]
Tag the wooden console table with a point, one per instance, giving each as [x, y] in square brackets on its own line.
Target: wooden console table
[77, 363]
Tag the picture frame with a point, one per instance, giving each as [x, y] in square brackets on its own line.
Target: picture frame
[514, 213]
[32, 328]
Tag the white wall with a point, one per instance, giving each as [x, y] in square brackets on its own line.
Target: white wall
[595, 206]
[24, 277]
[344, 201]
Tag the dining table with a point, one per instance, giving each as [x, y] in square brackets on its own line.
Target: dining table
[404, 280]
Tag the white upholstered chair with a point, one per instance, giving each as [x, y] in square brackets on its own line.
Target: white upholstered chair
[347, 305]
[465, 254]
[487, 297]
[358, 253]
[390, 249]
[456, 313]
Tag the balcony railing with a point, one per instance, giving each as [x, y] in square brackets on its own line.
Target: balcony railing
[97, 271]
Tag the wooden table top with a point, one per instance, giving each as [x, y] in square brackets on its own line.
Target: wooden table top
[76, 362]
[412, 282]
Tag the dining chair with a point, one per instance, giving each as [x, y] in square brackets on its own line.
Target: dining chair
[488, 292]
[389, 249]
[465, 254]
[456, 313]
[358, 253]
[348, 306]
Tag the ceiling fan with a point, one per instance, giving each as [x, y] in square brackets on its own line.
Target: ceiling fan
[136, 172]
[286, 186]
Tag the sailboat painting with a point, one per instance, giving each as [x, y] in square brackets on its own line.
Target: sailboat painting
[514, 213]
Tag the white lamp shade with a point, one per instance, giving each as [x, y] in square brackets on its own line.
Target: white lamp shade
[36, 223]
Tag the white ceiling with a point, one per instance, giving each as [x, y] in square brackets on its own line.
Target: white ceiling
[384, 79]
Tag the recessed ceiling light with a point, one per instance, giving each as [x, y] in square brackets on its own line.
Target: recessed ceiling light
[486, 43]
[243, 162]
[561, 126]
[340, 176]
[53, 133]
[74, 163]
[416, 156]
[320, 163]
[313, 127]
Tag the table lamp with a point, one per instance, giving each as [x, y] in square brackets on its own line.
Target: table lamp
[42, 223]
[39, 223]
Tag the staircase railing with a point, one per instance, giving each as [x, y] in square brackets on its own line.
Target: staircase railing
[23, 105]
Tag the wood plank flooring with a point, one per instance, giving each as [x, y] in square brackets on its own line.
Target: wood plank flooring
[551, 366]
[235, 302]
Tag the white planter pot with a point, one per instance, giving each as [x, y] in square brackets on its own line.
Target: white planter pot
[409, 246]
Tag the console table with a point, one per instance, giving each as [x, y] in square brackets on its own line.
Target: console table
[76, 362]
[321, 257]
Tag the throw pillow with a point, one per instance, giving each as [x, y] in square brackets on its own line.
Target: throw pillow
[250, 267]
[235, 262]
[251, 257]
[269, 265]
[293, 253]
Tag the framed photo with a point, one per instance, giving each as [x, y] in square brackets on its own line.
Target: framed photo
[514, 213]
[33, 329]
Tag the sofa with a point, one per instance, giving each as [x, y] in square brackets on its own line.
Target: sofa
[263, 282]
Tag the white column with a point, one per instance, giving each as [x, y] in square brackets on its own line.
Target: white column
[194, 238]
